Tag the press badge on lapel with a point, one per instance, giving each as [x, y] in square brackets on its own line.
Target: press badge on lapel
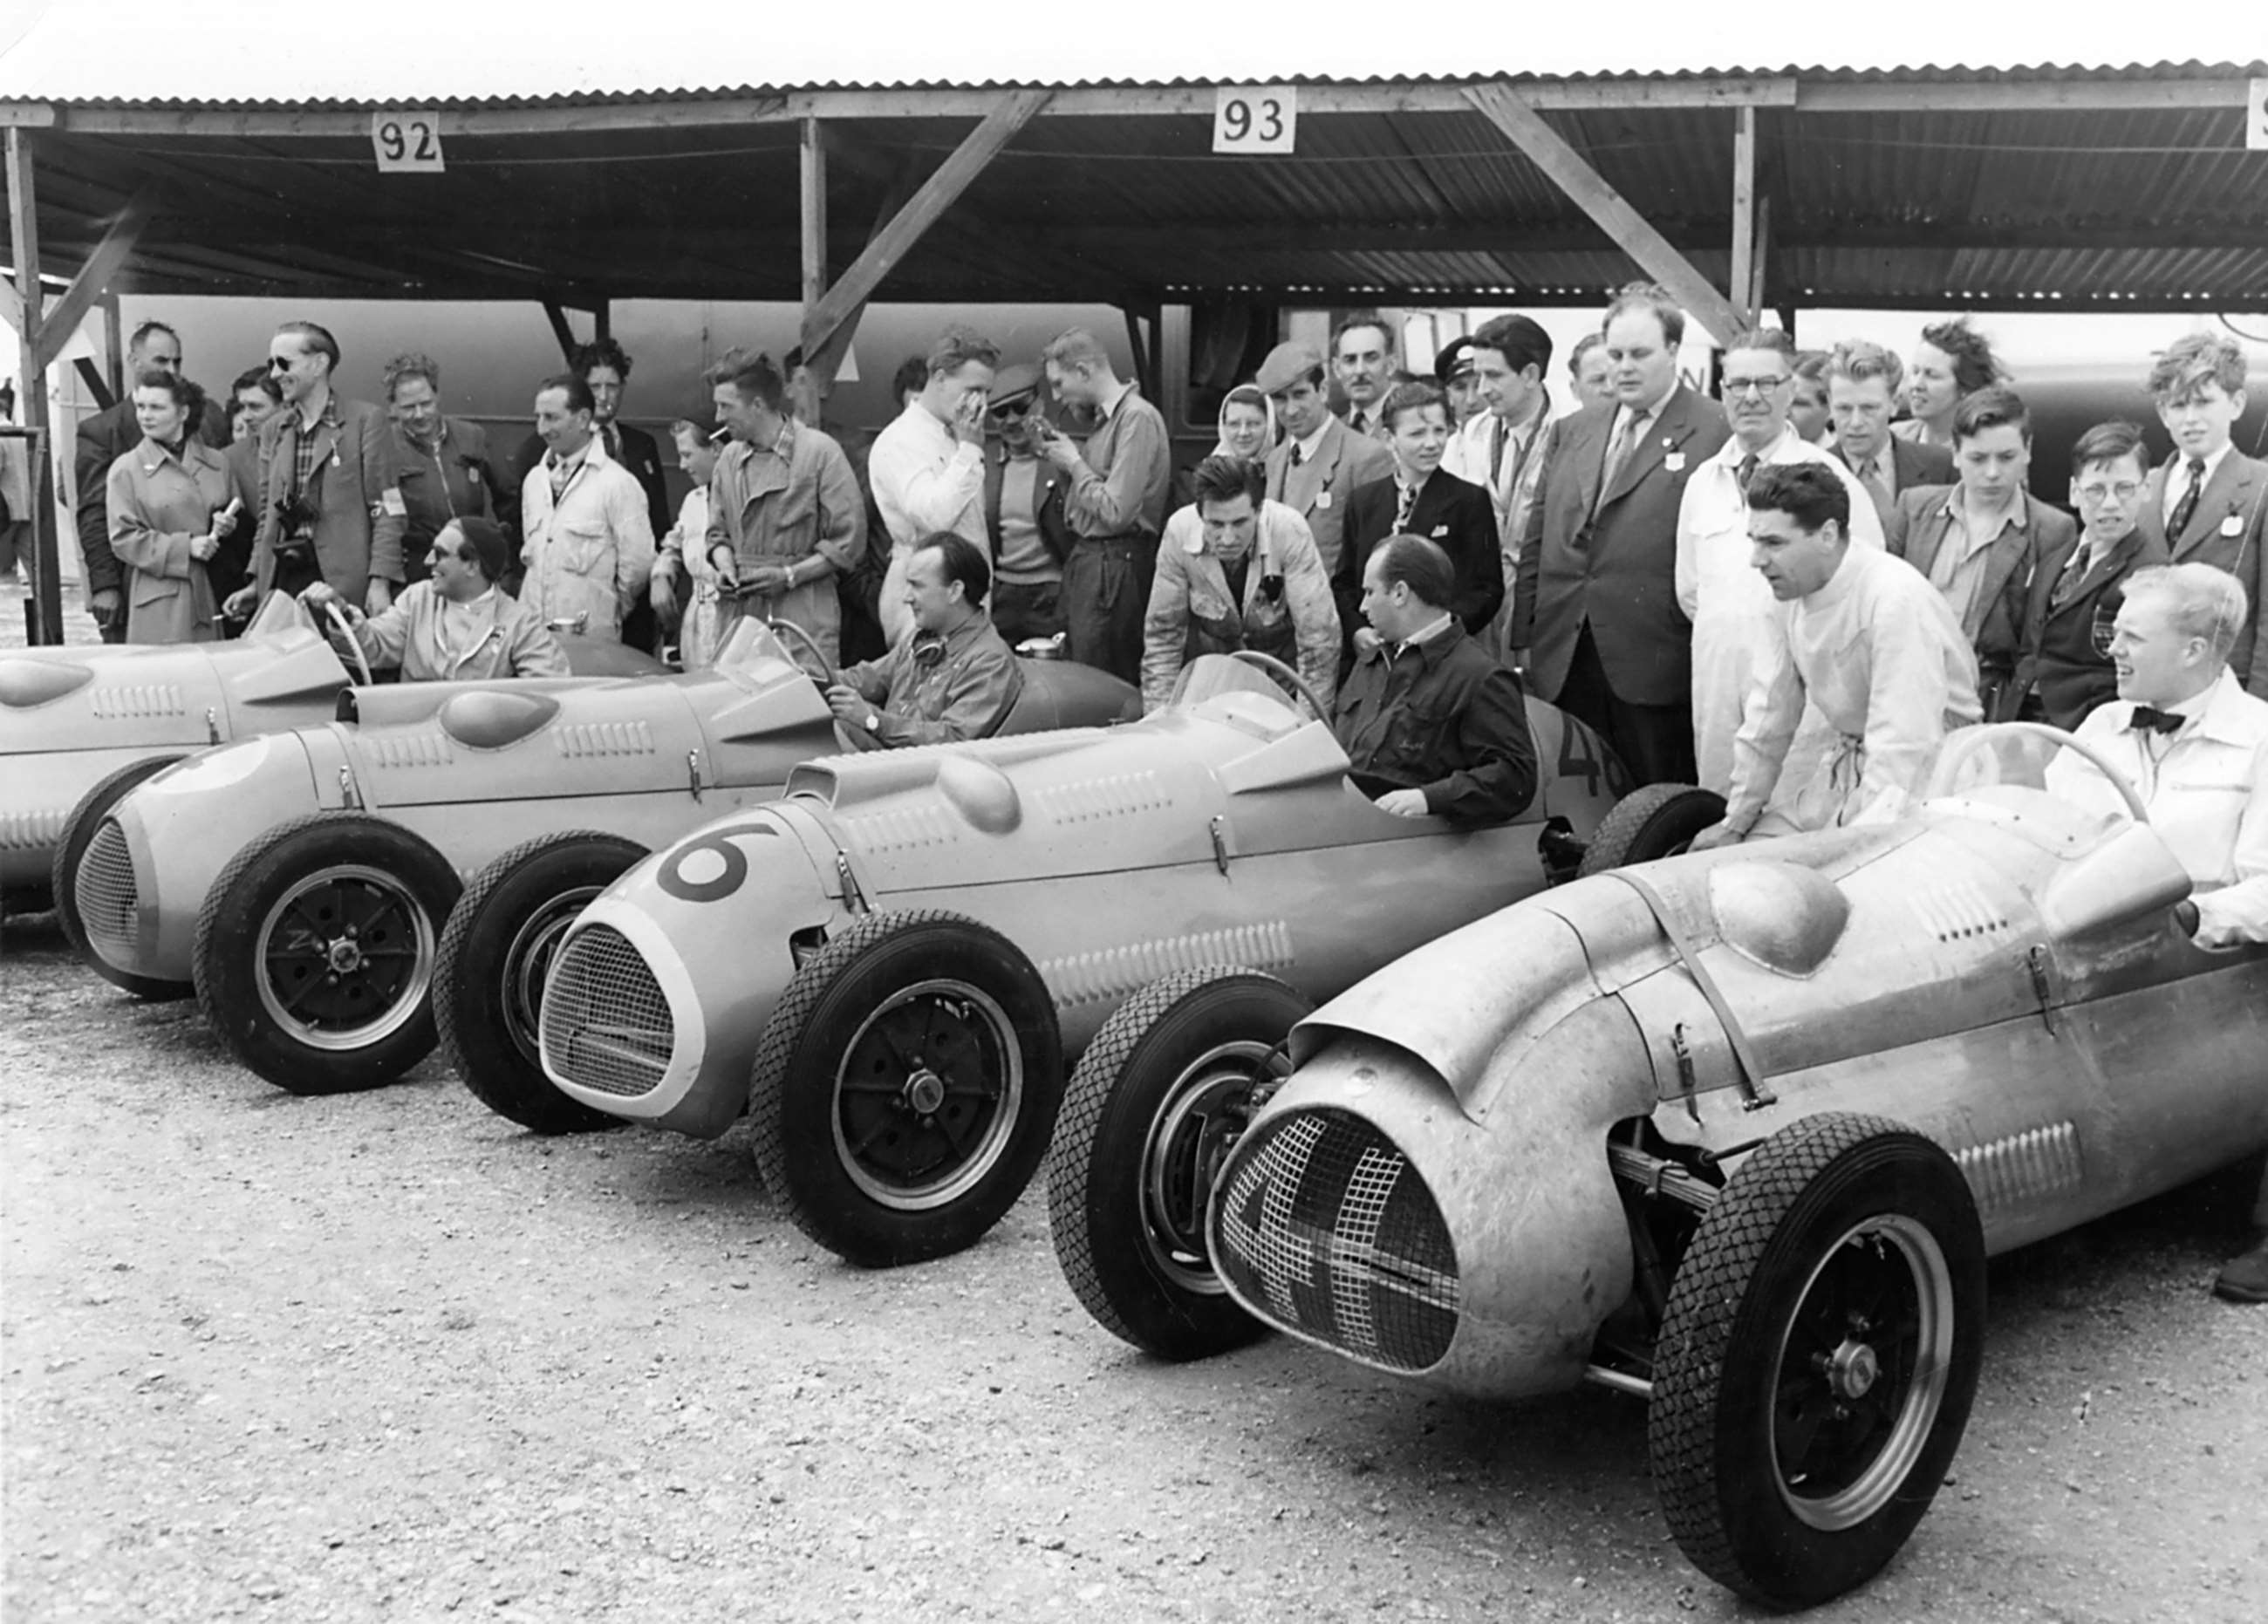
[2232, 526]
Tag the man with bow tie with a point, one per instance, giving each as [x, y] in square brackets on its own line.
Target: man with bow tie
[2194, 747]
[955, 677]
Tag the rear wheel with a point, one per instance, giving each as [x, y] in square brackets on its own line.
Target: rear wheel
[1817, 1358]
[70, 911]
[906, 1086]
[1162, 1095]
[314, 952]
[494, 957]
[1659, 820]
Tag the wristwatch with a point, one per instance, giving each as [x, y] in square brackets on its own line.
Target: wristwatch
[874, 723]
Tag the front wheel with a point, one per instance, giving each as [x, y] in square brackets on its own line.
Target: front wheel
[494, 956]
[314, 952]
[1817, 1358]
[1162, 1095]
[1659, 820]
[906, 1086]
[100, 906]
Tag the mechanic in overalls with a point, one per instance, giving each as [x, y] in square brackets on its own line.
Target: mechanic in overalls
[953, 678]
[1238, 571]
[1859, 635]
[2194, 746]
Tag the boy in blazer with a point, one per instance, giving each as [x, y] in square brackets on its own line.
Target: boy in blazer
[1419, 498]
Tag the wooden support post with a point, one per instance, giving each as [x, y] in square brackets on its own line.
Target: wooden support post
[811, 171]
[1548, 151]
[824, 320]
[24, 242]
[554, 312]
[1757, 280]
[97, 383]
[603, 319]
[109, 258]
[1744, 278]
[1140, 349]
[114, 342]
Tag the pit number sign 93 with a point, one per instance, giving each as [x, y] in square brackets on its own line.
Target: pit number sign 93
[1254, 117]
[2256, 116]
[406, 143]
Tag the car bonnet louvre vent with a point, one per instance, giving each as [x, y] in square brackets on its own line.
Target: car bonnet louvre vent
[1325, 1229]
[606, 1026]
[107, 899]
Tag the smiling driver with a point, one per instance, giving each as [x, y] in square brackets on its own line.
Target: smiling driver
[1858, 635]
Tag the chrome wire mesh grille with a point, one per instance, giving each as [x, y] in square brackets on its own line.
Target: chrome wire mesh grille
[107, 898]
[1325, 1229]
[606, 1022]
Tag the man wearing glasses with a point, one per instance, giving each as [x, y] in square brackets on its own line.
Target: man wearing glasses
[1024, 512]
[2063, 642]
[1729, 604]
[330, 509]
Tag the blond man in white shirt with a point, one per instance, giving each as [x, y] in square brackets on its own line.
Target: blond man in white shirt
[927, 466]
[2194, 746]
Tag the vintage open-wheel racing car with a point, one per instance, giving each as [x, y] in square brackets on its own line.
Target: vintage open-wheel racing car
[301, 881]
[886, 968]
[1733, 1131]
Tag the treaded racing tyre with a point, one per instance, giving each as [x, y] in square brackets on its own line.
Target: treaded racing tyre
[1659, 820]
[1817, 1358]
[906, 1086]
[78, 833]
[495, 954]
[1159, 1099]
[315, 948]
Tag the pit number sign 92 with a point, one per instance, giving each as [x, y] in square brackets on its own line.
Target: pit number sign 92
[1254, 117]
[406, 143]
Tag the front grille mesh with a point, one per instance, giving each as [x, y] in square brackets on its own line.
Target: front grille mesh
[1326, 1229]
[606, 1022]
[107, 898]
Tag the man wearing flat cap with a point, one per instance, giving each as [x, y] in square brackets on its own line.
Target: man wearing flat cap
[1317, 466]
[453, 626]
[1023, 512]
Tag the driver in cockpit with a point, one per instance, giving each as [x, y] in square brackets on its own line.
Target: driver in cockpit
[2194, 746]
[1430, 724]
[953, 677]
[457, 625]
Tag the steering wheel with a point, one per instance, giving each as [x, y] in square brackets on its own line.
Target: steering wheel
[1966, 742]
[338, 620]
[1285, 674]
[786, 630]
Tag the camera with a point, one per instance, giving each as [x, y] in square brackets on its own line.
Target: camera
[296, 512]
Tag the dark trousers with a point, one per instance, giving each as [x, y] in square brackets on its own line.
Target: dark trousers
[1655, 742]
[1106, 591]
[1022, 610]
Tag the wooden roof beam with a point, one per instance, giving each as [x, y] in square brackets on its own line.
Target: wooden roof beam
[1550, 151]
[101, 267]
[851, 290]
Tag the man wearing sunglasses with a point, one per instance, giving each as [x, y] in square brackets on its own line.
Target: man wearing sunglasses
[454, 626]
[1024, 512]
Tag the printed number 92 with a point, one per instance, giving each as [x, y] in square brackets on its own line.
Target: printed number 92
[417, 145]
[1240, 124]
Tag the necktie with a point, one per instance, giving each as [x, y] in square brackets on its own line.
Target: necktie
[2153, 720]
[613, 442]
[1746, 472]
[1497, 435]
[1878, 477]
[1299, 453]
[1617, 454]
[1403, 503]
[2186, 508]
[1358, 421]
[2067, 583]
[560, 475]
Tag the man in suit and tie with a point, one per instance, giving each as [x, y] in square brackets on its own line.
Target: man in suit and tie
[1314, 468]
[2208, 502]
[1984, 537]
[1597, 606]
[2063, 642]
[1363, 359]
[1501, 447]
[1863, 381]
[1421, 498]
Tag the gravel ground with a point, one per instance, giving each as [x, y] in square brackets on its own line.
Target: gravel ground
[385, 1357]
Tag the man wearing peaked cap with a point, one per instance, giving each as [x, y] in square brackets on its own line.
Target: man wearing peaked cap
[1023, 512]
[1452, 370]
[1317, 466]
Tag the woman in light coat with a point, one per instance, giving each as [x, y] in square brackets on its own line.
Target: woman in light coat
[169, 504]
[1235, 572]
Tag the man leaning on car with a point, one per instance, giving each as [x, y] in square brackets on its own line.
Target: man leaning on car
[1433, 723]
[2194, 746]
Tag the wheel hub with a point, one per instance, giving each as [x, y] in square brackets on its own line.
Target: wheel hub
[925, 1092]
[1853, 1368]
[344, 955]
